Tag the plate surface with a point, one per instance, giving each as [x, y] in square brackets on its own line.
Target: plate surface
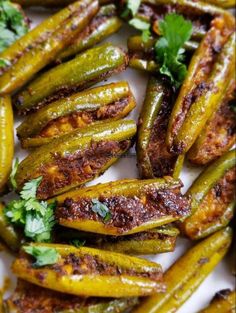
[221, 278]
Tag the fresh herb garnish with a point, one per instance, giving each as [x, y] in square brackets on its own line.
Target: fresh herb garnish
[101, 209]
[36, 217]
[77, 243]
[12, 24]
[131, 7]
[143, 26]
[43, 255]
[13, 174]
[175, 31]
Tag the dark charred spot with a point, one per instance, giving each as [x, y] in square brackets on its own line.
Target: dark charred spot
[203, 261]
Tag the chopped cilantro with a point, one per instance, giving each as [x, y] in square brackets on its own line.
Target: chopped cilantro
[101, 209]
[143, 26]
[132, 7]
[175, 31]
[43, 255]
[13, 174]
[12, 24]
[77, 242]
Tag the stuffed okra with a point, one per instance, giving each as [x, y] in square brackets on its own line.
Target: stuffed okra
[154, 159]
[105, 23]
[218, 136]
[86, 69]
[36, 49]
[29, 298]
[92, 272]
[123, 207]
[209, 75]
[105, 103]
[226, 4]
[158, 240]
[75, 158]
[186, 275]
[6, 140]
[54, 3]
[224, 301]
[8, 233]
[213, 198]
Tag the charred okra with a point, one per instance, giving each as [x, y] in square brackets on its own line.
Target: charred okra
[92, 272]
[31, 298]
[218, 136]
[83, 71]
[6, 140]
[123, 207]
[153, 241]
[154, 159]
[8, 233]
[53, 3]
[185, 276]
[109, 102]
[209, 74]
[213, 198]
[105, 23]
[75, 158]
[35, 50]
[224, 301]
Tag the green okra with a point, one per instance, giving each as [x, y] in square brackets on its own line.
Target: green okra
[224, 301]
[158, 240]
[37, 299]
[186, 275]
[213, 198]
[218, 136]
[75, 158]
[86, 69]
[8, 233]
[41, 46]
[90, 107]
[51, 3]
[102, 273]
[196, 101]
[104, 24]
[154, 159]
[123, 207]
[226, 4]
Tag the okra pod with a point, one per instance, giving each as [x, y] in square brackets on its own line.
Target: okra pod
[75, 158]
[213, 198]
[154, 159]
[131, 206]
[6, 140]
[51, 3]
[8, 233]
[86, 69]
[218, 136]
[186, 275]
[42, 48]
[158, 240]
[226, 4]
[104, 24]
[92, 272]
[31, 298]
[204, 87]
[224, 301]
[90, 107]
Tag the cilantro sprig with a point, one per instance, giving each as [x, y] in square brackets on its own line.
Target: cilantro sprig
[175, 31]
[43, 255]
[101, 209]
[36, 217]
[12, 24]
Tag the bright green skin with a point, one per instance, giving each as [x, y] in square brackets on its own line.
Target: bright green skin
[32, 61]
[187, 274]
[104, 24]
[85, 70]
[7, 232]
[181, 138]
[88, 100]
[152, 106]
[70, 144]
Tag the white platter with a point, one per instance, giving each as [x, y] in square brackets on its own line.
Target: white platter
[221, 278]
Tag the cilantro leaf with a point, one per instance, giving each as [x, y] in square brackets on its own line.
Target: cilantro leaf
[43, 255]
[77, 242]
[12, 24]
[4, 63]
[132, 7]
[13, 174]
[143, 26]
[101, 209]
[30, 188]
[175, 31]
